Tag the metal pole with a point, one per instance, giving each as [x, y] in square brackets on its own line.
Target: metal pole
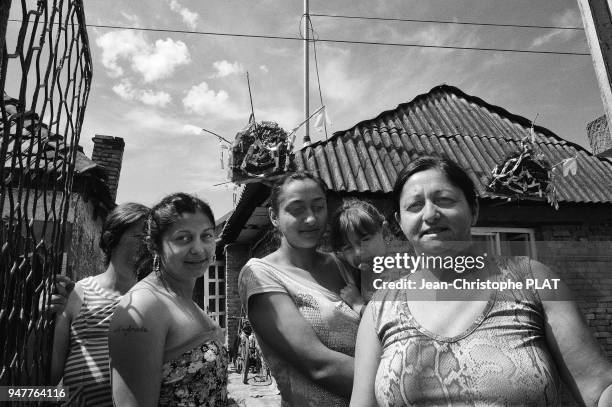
[597, 20]
[306, 19]
[5, 7]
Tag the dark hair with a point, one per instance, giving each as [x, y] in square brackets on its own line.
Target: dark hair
[117, 222]
[164, 214]
[354, 217]
[278, 186]
[453, 171]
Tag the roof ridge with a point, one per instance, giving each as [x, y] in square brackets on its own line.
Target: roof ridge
[449, 89]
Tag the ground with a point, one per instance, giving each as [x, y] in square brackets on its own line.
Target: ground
[255, 394]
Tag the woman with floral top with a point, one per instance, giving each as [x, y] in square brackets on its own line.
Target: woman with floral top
[164, 349]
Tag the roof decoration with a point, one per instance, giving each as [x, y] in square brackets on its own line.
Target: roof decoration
[260, 150]
[524, 174]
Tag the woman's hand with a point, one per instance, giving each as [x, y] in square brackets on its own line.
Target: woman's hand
[352, 296]
[60, 291]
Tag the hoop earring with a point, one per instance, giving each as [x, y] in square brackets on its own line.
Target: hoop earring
[156, 264]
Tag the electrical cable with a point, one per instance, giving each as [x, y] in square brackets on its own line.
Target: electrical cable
[337, 41]
[412, 20]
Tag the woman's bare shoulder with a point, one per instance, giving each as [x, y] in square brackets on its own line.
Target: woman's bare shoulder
[144, 301]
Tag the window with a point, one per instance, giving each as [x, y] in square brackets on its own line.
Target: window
[214, 292]
[505, 241]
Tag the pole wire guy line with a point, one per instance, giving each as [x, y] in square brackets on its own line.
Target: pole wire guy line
[314, 47]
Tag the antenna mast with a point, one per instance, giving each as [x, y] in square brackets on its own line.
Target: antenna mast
[306, 19]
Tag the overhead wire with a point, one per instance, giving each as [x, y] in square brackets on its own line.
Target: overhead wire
[414, 20]
[337, 41]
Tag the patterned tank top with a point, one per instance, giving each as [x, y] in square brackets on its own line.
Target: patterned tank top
[196, 378]
[502, 360]
[87, 373]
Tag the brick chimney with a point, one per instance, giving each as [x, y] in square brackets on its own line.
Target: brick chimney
[599, 137]
[108, 153]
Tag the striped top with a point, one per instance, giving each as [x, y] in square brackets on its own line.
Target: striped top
[87, 373]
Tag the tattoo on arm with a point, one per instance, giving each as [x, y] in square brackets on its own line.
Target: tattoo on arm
[130, 328]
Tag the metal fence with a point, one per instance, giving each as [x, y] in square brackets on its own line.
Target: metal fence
[45, 78]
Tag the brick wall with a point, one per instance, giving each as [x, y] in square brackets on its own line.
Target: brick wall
[108, 153]
[582, 255]
[83, 229]
[85, 258]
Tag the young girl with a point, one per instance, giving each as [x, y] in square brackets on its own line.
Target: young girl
[357, 235]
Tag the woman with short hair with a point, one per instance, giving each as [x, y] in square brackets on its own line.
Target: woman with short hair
[80, 347]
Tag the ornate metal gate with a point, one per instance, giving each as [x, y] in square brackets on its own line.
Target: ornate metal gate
[45, 77]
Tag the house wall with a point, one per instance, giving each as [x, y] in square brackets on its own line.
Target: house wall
[85, 258]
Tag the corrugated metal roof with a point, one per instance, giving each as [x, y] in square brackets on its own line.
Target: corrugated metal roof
[368, 156]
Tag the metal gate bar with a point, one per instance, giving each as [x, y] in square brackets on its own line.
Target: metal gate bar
[45, 78]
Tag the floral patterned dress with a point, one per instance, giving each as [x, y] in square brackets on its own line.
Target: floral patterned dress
[197, 378]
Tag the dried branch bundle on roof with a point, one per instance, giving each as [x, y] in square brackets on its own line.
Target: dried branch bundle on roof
[524, 174]
[260, 150]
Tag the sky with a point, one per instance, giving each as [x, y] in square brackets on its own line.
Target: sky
[157, 90]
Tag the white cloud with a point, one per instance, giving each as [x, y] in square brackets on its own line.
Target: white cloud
[569, 18]
[264, 69]
[148, 97]
[189, 17]
[126, 91]
[336, 79]
[191, 129]
[225, 68]
[161, 60]
[119, 44]
[152, 61]
[200, 99]
[132, 18]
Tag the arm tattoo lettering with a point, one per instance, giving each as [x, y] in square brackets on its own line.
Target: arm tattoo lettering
[130, 329]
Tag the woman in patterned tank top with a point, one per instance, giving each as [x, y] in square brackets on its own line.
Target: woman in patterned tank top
[425, 342]
[80, 344]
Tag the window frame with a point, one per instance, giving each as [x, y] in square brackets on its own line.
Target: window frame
[493, 230]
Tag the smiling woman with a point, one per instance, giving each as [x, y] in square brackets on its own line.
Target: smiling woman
[486, 347]
[164, 349]
[292, 296]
